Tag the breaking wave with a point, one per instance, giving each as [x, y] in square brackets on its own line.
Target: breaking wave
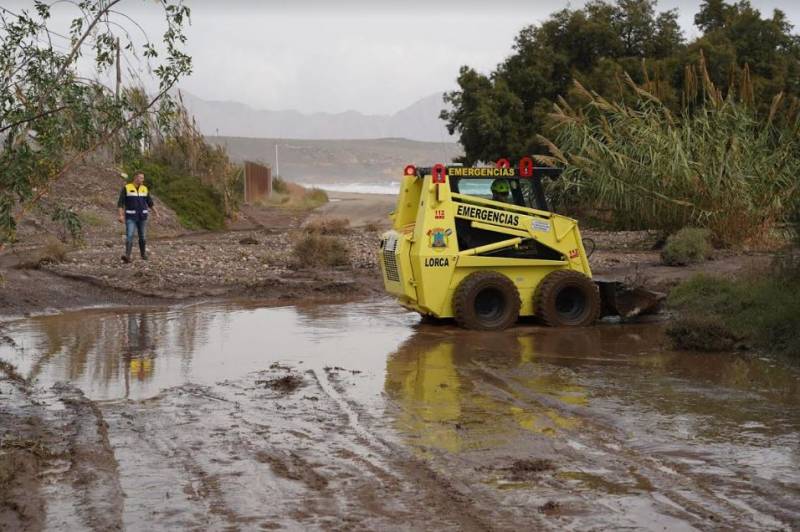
[392, 187]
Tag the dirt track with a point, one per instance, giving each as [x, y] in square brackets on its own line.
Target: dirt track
[254, 259]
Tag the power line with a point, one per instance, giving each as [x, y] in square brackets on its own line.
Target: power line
[132, 69]
[6, 10]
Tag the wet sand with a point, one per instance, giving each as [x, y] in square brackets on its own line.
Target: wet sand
[359, 209]
[356, 416]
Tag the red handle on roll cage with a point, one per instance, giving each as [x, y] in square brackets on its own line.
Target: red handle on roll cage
[526, 167]
[503, 163]
[439, 173]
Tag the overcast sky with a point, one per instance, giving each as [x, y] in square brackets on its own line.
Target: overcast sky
[374, 57]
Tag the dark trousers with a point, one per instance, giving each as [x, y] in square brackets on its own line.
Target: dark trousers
[139, 226]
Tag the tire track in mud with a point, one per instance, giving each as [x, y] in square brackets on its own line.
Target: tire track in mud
[243, 455]
[23, 449]
[63, 467]
[442, 492]
[163, 479]
[601, 444]
[93, 468]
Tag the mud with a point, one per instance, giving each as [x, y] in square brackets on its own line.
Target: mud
[285, 384]
[527, 469]
[356, 416]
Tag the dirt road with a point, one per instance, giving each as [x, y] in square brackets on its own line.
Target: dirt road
[255, 259]
[354, 416]
[360, 209]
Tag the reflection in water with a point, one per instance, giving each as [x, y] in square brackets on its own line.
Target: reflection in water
[455, 390]
[139, 350]
[451, 396]
[462, 390]
[136, 354]
[97, 349]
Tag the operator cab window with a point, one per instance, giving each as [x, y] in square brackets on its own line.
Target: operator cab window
[520, 190]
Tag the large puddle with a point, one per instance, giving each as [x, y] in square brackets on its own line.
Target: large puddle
[632, 413]
[136, 354]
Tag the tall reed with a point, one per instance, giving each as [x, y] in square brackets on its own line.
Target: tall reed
[717, 165]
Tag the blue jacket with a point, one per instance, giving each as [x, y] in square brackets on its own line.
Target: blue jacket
[135, 201]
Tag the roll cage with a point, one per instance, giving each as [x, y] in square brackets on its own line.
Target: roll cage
[526, 191]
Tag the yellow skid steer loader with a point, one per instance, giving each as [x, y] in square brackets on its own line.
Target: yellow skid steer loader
[479, 244]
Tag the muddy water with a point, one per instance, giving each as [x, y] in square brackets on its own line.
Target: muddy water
[136, 354]
[397, 424]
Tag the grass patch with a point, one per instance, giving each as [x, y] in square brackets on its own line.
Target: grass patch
[690, 245]
[92, 219]
[279, 186]
[329, 226]
[314, 249]
[762, 311]
[294, 196]
[318, 196]
[701, 333]
[197, 206]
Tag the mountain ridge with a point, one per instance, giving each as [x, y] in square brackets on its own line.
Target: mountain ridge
[419, 121]
[339, 160]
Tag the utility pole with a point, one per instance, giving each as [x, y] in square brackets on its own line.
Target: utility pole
[116, 145]
[119, 71]
[246, 166]
[277, 163]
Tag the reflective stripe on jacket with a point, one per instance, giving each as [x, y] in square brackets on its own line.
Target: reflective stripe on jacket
[136, 201]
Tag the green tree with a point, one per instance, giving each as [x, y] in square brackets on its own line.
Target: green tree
[737, 37]
[744, 54]
[500, 115]
[51, 117]
[668, 37]
[713, 15]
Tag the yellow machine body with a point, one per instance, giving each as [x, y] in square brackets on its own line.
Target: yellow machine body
[423, 261]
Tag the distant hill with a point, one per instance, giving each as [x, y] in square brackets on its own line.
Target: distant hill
[419, 121]
[329, 161]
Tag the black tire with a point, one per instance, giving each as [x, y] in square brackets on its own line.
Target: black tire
[486, 301]
[566, 298]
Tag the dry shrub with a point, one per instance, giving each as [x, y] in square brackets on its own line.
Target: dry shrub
[317, 250]
[329, 225]
[690, 245]
[294, 196]
[372, 226]
[53, 252]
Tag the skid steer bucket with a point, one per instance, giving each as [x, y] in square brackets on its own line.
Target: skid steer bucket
[626, 301]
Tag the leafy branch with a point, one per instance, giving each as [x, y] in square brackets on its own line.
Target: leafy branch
[51, 117]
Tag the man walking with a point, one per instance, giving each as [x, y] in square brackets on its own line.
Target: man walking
[134, 205]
